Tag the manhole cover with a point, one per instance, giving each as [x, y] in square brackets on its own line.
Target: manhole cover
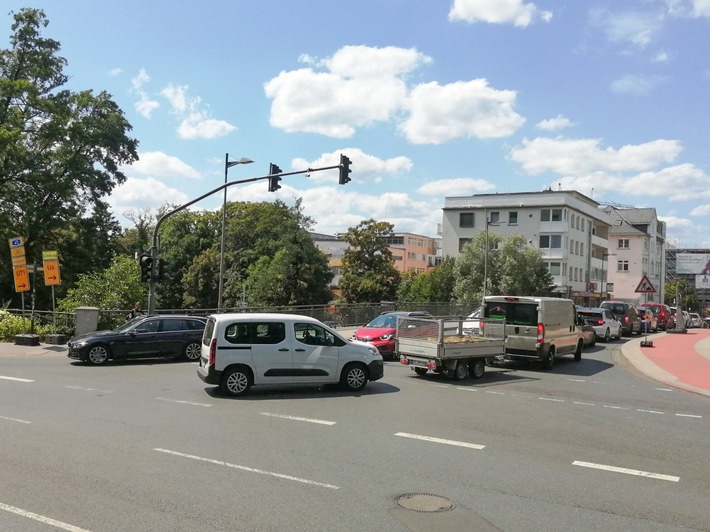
[425, 502]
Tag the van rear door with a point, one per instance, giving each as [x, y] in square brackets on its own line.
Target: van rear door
[521, 319]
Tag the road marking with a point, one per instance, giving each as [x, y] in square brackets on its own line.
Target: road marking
[14, 419]
[181, 402]
[636, 472]
[83, 389]
[467, 389]
[583, 403]
[550, 399]
[616, 407]
[41, 518]
[690, 415]
[663, 389]
[649, 411]
[296, 418]
[249, 469]
[15, 379]
[440, 440]
[576, 380]
[495, 393]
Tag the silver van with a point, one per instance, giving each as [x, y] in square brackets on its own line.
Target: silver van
[243, 350]
[537, 328]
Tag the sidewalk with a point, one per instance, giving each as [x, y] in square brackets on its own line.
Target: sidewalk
[10, 349]
[678, 360]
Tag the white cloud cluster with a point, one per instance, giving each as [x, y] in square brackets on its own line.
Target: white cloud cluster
[362, 85]
[195, 122]
[369, 167]
[157, 163]
[554, 124]
[145, 106]
[514, 12]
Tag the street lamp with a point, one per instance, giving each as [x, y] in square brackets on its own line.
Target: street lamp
[603, 286]
[227, 165]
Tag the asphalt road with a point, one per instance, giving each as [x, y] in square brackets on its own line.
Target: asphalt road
[147, 446]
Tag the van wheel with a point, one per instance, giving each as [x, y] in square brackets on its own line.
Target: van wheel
[354, 377]
[578, 352]
[236, 382]
[477, 368]
[420, 371]
[550, 361]
[192, 351]
[461, 371]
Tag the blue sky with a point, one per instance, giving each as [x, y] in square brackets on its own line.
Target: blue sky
[427, 98]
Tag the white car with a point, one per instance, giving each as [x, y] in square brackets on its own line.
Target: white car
[605, 324]
[472, 325]
[695, 320]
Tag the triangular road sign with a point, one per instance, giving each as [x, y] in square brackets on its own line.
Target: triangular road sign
[645, 286]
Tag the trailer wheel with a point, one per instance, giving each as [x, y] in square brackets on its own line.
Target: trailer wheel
[477, 368]
[420, 371]
[461, 371]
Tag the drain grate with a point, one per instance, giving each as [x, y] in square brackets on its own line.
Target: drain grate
[425, 502]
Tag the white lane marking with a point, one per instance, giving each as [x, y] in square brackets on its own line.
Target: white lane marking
[439, 385]
[440, 440]
[41, 518]
[690, 415]
[15, 419]
[663, 389]
[649, 411]
[616, 407]
[583, 403]
[495, 393]
[576, 380]
[181, 402]
[550, 399]
[466, 389]
[17, 379]
[83, 389]
[626, 471]
[249, 469]
[296, 418]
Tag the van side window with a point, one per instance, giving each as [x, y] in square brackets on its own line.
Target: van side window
[237, 333]
[270, 332]
[311, 334]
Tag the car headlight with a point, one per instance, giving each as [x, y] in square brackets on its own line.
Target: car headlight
[374, 351]
[387, 336]
[78, 343]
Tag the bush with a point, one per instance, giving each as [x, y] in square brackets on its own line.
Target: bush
[11, 325]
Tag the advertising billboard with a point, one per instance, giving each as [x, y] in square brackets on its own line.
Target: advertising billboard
[692, 263]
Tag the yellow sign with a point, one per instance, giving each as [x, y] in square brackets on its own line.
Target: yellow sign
[51, 272]
[22, 278]
[49, 255]
[19, 260]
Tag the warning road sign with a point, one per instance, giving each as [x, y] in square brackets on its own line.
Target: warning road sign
[645, 286]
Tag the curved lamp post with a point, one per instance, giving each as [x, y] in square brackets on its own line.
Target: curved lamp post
[227, 165]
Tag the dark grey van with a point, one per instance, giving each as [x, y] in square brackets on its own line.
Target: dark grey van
[627, 314]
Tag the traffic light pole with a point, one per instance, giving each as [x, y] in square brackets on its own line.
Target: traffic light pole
[154, 248]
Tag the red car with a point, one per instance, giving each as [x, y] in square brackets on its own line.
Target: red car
[663, 314]
[382, 331]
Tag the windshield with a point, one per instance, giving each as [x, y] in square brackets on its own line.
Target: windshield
[130, 324]
[383, 322]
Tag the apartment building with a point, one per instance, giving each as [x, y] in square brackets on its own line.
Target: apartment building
[637, 248]
[570, 229]
[412, 252]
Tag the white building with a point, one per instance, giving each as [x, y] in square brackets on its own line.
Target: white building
[637, 243]
[568, 227]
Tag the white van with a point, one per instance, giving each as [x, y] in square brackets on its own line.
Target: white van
[537, 328]
[243, 350]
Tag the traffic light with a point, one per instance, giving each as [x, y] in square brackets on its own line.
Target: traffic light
[274, 179]
[344, 170]
[146, 263]
[160, 271]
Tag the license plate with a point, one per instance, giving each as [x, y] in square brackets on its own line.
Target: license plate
[418, 363]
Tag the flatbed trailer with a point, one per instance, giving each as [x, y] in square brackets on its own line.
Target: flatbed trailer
[440, 345]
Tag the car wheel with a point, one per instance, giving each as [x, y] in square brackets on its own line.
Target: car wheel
[594, 341]
[607, 335]
[192, 351]
[98, 355]
[461, 371]
[236, 382]
[420, 371]
[477, 368]
[578, 352]
[354, 377]
[550, 361]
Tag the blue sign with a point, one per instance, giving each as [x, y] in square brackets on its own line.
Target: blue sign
[15, 242]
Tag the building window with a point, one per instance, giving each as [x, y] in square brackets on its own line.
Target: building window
[623, 243]
[622, 266]
[466, 219]
[551, 215]
[555, 268]
[494, 217]
[513, 218]
[550, 241]
[462, 243]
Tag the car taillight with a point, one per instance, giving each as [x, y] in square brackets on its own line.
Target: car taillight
[540, 333]
[626, 319]
[213, 351]
[600, 322]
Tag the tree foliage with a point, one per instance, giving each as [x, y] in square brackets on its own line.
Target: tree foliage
[436, 285]
[60, 152]
[368, 273]
[681, 292]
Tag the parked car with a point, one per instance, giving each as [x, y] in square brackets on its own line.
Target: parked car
[664, 315]
[695, 320]
[472, 325]
[649, 323]
[589, 335]
[244, 350]
[142, 337]
[606, 325]
[382, 331]
[627, 314]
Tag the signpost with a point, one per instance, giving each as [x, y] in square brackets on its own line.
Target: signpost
[19, 264]
[645, 287]
[51, 268]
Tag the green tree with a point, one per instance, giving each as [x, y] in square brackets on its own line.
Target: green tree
[368, 272]
[683, 293]
[60, 151]
[470, 269]
[436, 285]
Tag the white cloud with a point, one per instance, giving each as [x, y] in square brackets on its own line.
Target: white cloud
[497, 12]
[460, 186]
[144, 193]
[145, 106]
[554, 124]
[365, 168]
[701, 210]
[157, 163]
[636, 85]
[634, 28]
[195, 122]
[585, 156]
[362, 85]
[701, 8]
[440, 113]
